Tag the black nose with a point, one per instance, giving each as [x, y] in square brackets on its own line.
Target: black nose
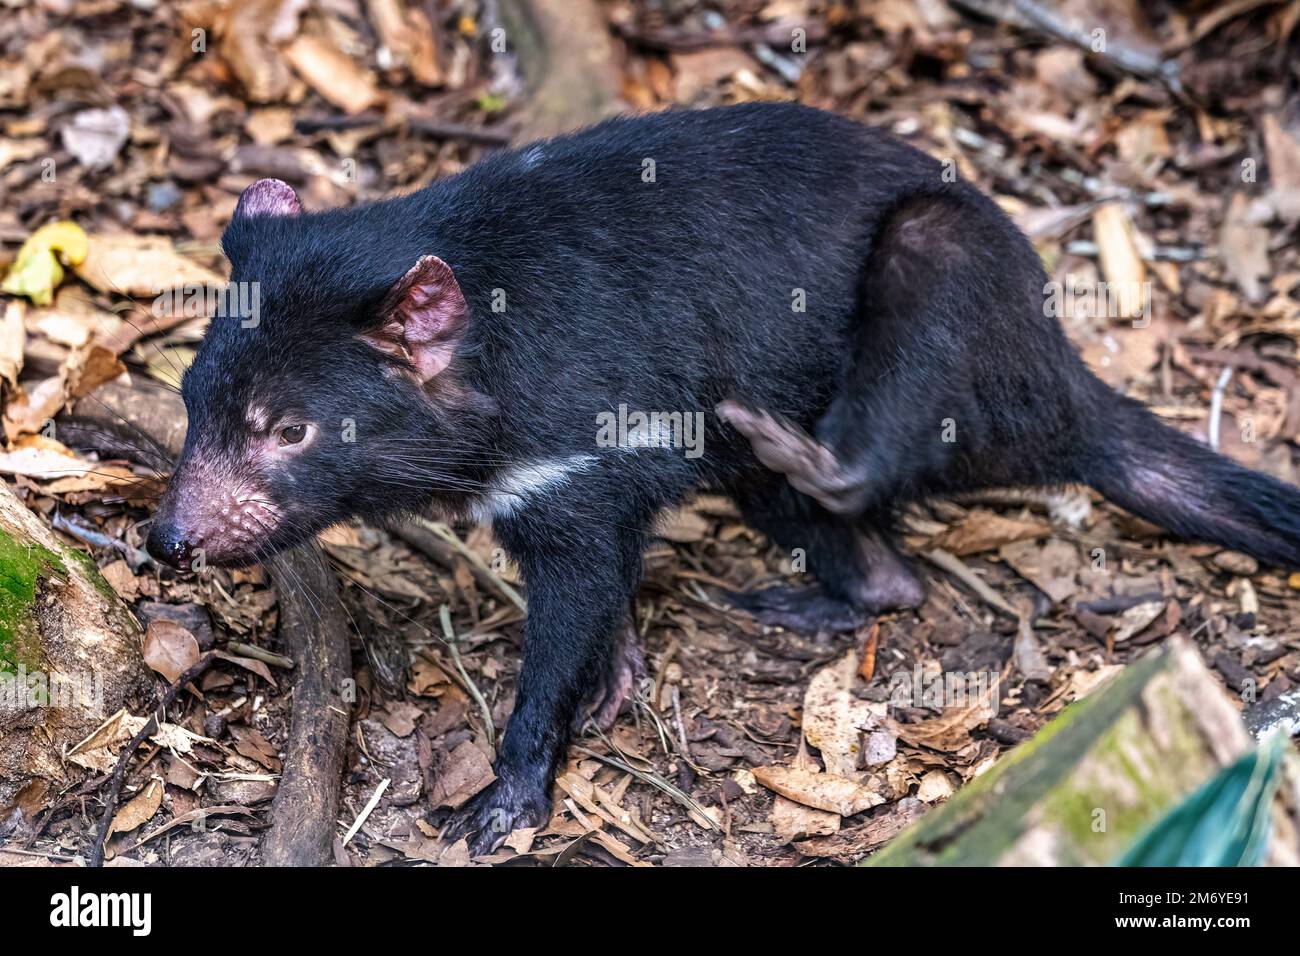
[167, 544]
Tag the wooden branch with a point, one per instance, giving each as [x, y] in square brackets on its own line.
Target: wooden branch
[1036, 15]
[314, 628]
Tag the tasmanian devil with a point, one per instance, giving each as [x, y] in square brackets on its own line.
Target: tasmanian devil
[853, 330]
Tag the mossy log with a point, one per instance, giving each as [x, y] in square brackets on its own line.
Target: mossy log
[1098, 776]
[69, 653]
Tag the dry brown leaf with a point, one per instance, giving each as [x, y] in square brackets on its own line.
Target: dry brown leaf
[91, 367]
[1051, 222]
[250, 742]
[585, 794]
[169, 649]
[36, 406]
[877, 831]
[822, 791]
[699, 70]
[950, 731]
[1243, 247]
[109, 479]
[867, 664]
[790, 819]
[400, 717]
[521, 841]
[250, 664]
[1052, 567]
[36, 456]
[118, 575]
[141, 266]
[74, 321]
[333, 74]
[682, 525]
[270, 126]
[407, 39]
[935, 786]
[20, 150]
[1283, 152]
[98, 751]
[139, 809]
[426, 678]
[1137, 619]
[983, 530]
[245, 46]
[1144, 139]
[834, 720]
[466, 773]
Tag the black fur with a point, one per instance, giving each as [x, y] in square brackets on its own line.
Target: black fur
[923, 303]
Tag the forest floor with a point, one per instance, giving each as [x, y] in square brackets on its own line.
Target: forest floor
[1190, 190]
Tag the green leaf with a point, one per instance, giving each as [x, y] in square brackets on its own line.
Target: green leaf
[491, 102]
[1226, 822]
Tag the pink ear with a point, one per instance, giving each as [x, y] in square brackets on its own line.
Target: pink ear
[424, 317]
[269, 197]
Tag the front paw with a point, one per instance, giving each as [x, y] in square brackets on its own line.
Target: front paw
[496, 812]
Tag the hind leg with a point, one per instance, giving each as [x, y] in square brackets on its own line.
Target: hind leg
[932, 397]
[858, 571]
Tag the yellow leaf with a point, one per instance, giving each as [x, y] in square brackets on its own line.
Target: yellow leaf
[37, 272]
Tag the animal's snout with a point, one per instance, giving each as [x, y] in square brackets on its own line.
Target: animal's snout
[206, 517]
[168, 543]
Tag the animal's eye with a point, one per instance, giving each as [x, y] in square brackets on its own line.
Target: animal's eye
[292, 434]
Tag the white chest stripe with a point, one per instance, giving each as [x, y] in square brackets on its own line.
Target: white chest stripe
[510, 490]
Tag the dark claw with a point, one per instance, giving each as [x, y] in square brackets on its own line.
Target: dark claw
[495, 813]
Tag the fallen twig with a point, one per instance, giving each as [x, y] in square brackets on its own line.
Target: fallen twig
[444, 615]
[696, 811]
[1216, 405]
[477, 566]
[119, 772]
[685, 41]
[366, 810]
[438, 129]
[1034, 14]
[954, 566]
[265, 656]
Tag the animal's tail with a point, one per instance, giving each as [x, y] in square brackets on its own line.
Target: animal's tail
[1174, 481]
